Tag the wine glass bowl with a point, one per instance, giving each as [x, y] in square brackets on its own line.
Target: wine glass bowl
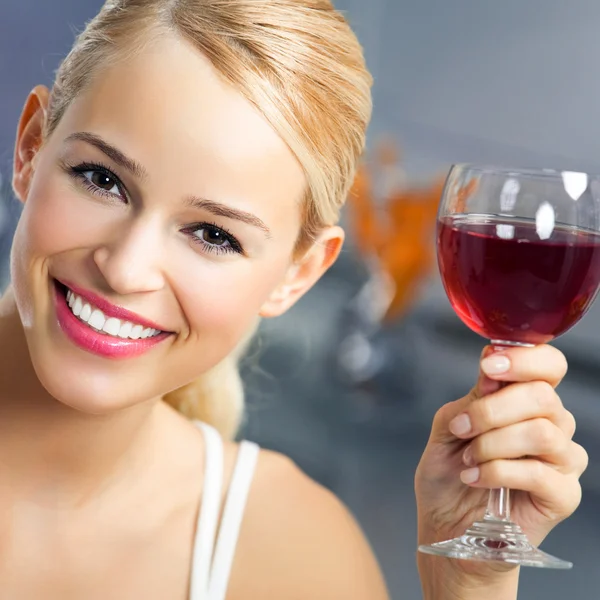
[519, 257]
[510, 286]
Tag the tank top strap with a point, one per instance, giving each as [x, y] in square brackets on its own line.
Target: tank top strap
[231, 522]
[208, 515]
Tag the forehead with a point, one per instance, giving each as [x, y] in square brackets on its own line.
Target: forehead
[170, 109]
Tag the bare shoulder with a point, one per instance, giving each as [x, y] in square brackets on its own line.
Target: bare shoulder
[299, 541]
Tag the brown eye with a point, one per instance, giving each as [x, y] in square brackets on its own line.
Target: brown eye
[98, 180]
[213, 236]
[213, 239]
[103, 181]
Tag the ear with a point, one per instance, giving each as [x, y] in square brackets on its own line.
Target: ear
[30, 136]
[305, 272]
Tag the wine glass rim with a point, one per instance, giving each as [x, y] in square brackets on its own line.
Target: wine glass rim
[515, 171]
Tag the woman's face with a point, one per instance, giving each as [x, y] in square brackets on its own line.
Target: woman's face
[164, 193]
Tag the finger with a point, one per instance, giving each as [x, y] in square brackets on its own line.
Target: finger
[555, 495]
[440, 429]
[536, 438]
[580, 459]
[569, 424]
[510, 405]
[526, 360]
[543, 363]
[485, 385]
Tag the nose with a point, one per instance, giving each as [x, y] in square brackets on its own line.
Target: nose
[131, 261]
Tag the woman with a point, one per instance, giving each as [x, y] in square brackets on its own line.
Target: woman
[181, 180]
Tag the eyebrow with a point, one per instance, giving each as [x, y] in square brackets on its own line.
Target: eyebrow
[113, 153]
[221, 210]
[134, 167]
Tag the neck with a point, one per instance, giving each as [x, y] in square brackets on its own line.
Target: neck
[58, 454]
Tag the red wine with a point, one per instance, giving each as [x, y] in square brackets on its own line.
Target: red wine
[507, 284]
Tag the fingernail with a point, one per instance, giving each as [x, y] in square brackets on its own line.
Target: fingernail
[495, 365]
[470, 476]
[460, 425]
[468, 457]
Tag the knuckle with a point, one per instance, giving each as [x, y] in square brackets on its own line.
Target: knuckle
[557, 361]
[582, 459]
[526, 474]
[484, 414]
[572, 495]
[449, 409]
[545, 397]
[536, 473]
[479, 449]
[545, 436]
[542, 391]
[562, 366]
[577, 495]
[494, 473]
[571, 423]
[444, 413]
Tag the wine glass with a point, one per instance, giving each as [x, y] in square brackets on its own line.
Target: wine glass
[519, 256]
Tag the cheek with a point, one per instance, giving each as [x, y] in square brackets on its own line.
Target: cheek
[225, 299]
[44, 229]
[57, 217]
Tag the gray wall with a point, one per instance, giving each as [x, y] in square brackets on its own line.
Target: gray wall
[511, 82]
[34, 35]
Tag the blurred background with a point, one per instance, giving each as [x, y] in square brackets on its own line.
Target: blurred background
[347, 383]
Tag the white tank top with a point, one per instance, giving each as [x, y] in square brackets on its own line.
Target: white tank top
[212, 562]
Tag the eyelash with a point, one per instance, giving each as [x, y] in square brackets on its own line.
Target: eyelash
[79, 171]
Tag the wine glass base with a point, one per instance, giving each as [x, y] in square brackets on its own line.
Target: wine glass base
[498, 541]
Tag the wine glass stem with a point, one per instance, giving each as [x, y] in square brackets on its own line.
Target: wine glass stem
[498, 508]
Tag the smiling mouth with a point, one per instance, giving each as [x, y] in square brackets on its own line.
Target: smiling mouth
[96, 320]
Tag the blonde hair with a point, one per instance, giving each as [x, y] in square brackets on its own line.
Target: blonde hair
[298, 62]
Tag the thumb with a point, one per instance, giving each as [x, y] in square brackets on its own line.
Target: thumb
[440, 431]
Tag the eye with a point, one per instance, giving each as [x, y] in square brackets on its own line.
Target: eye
[103, 181]
[213, 236]
[215, 239]
[98, 179]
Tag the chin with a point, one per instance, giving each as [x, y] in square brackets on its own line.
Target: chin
[86, 391]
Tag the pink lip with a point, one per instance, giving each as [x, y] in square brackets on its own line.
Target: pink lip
[110, 310]
[97, 343]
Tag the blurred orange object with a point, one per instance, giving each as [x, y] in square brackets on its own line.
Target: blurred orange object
[463, 194]
[398, 237]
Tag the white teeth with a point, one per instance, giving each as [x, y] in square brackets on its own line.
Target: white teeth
[86, 313]
[78, 306]
[136, 332]
[112, 326]
[96, 319]
[125, 330]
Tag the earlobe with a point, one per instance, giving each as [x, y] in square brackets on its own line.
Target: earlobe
[30, 136]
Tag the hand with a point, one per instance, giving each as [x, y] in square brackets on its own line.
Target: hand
[518, 436]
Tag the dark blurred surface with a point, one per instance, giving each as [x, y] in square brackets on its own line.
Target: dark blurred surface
[510, 83]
